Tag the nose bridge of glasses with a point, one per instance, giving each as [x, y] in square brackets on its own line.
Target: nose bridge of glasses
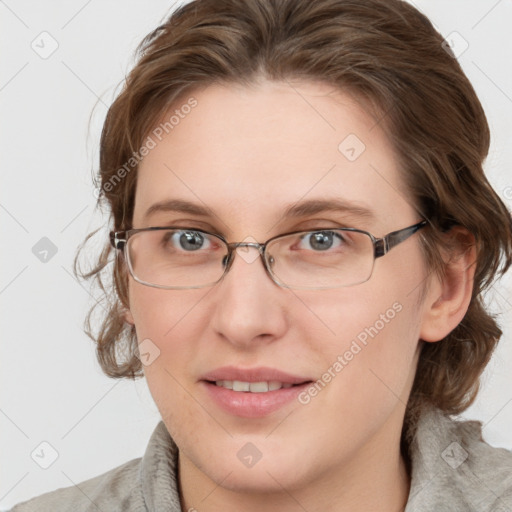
[241, 248]
[256, 245]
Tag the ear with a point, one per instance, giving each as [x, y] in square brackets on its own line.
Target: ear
[447, 301]
[128, 317]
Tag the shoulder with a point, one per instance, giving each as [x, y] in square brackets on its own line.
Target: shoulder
[453, 465]
[114, 490]
[148, 482]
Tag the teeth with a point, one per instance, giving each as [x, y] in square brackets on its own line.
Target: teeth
[253, 387]
[225, 383]
[241, 386]
[256, 387]
[273, 385]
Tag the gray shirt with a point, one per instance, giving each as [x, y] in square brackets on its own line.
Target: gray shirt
[453, 470]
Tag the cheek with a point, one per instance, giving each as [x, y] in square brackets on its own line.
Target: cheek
[169, 329]
[160, 314]
[368, 343]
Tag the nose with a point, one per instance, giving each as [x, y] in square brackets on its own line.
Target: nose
[249, 306]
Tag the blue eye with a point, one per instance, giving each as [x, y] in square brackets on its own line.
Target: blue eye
[189, 241]
[323, 240]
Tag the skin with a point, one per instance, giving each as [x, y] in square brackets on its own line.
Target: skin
[247, 153]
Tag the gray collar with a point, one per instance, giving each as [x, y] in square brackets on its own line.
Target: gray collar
[454, 470]
[159, 472]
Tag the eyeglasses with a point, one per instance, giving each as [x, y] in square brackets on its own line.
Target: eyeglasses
[178, 257]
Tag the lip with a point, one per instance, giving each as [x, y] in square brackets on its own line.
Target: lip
[258, 374]
[247, 404]
[251, 405]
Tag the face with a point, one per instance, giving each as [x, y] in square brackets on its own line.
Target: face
[247, 154]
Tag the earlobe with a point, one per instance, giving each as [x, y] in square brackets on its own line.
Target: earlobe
[448, 300]
[128, 317]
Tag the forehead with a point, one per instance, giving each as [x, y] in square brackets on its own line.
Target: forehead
[248, 153]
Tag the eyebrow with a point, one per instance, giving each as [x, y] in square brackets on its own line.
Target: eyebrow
[296, 210]
[178, 205]
[314, 206]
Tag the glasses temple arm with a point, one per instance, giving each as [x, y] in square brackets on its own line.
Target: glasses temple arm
[383, 245]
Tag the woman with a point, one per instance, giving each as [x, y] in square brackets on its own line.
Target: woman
[303, 233]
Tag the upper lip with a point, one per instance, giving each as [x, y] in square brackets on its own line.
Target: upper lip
[259, 374]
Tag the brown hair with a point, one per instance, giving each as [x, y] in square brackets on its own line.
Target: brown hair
[384, 52]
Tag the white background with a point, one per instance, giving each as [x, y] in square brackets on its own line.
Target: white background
[52, 388]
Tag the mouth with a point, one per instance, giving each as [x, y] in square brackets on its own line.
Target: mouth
[252, 399]
[255, 387]
[252, 392]
[256, 379]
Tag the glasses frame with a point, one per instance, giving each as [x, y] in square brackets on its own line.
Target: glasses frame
[381, 246]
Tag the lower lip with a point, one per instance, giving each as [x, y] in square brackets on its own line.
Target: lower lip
[252, 405]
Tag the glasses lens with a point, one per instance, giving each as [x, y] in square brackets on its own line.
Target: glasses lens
[176, 258]
[321, 259]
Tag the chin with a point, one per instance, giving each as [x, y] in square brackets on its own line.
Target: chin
[269, 474]
[260, 479]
